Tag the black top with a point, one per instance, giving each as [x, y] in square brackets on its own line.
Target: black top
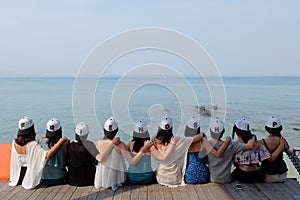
[81, 163]
[278, 166]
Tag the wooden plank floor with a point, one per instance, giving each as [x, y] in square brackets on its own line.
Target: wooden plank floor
[210, 191]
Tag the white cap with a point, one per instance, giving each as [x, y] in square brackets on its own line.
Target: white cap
[216, 126]
[193, 122]
[140, 127]
[165, 123]
[242, 124]
[82, 129]
[110, 125]
[273, 122]
[53, 125]
[25, 123]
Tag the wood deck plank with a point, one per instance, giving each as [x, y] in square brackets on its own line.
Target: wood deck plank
[233, 191]
[276, 191]
[290, 187]
[61, 192]
[109, 194]
[68, 194]
[220, 192]
[166, 192]
[176, 193]
[134, 192]
[158, 191]
[11, 192]
[254, 192]
[151, 195]
[126, 192]
[200, 192]
[191, 192]
[118, 193]
[101, 193]
[143, 190]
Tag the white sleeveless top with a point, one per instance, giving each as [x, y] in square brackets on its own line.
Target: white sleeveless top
[171, 172]
[34, 160]
[110, 172]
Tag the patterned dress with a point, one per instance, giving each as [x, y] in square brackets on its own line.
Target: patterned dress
[196, 170]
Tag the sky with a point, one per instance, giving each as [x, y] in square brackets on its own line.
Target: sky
[243, 38]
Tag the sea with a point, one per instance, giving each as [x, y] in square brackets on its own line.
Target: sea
[147, 98]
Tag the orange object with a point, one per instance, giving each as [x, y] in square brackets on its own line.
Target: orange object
[5, 151]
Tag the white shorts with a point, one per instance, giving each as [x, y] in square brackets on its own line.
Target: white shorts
[277, 178]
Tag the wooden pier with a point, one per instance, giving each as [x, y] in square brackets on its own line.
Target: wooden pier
[210, 191]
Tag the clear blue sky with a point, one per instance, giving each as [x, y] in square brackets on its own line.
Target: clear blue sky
[52, 38]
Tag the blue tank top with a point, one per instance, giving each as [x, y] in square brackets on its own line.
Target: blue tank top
[142, 172]
[55, 167]
[196, 169]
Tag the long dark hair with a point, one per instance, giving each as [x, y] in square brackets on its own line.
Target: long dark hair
[28, 137]
[138, 143]
[164, 135]
[110, 134]
[139, 139]
[80, 139]
[53, 137]
[245, 135]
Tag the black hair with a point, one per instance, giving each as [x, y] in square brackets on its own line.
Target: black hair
[138, 143]
[217, 136]
[164, 135]
[80, 139]
[191, 132]
[53, 137]
[25, 138]
[245, 135]
[110, 134]
[274, 131]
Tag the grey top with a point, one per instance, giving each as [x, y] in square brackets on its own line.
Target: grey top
[220, 168]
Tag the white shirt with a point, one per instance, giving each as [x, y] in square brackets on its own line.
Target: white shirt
[34, 159]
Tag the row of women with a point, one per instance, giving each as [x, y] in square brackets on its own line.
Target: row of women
[181, 160]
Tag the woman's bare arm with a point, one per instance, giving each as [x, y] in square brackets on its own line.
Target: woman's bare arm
[250, 144]
[134, 160]
[53, 150]
[210, 149]
[106, 151]
[278, 150]
[162, 157]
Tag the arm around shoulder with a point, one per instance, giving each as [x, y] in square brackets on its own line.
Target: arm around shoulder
[53, 150]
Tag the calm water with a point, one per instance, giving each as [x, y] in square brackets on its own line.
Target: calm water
[253, 97]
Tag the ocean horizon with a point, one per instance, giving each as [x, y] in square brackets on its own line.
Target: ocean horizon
[255, 98]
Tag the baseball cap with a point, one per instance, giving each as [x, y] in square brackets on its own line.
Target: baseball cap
[140, 130]
[193, 122]
[140, 127]
[110, 125]
[82, 129]
[242, 124]
[273, 122]
[165, 123]
[25, 123]
[216, 126]
[53, 125]
[25, 126]
[53, 128]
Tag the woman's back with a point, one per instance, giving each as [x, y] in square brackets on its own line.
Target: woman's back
[81, 165]
[55, 167]
[142, 172]
[196, 169]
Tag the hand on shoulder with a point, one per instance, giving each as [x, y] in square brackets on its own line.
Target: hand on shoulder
[116, 141]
